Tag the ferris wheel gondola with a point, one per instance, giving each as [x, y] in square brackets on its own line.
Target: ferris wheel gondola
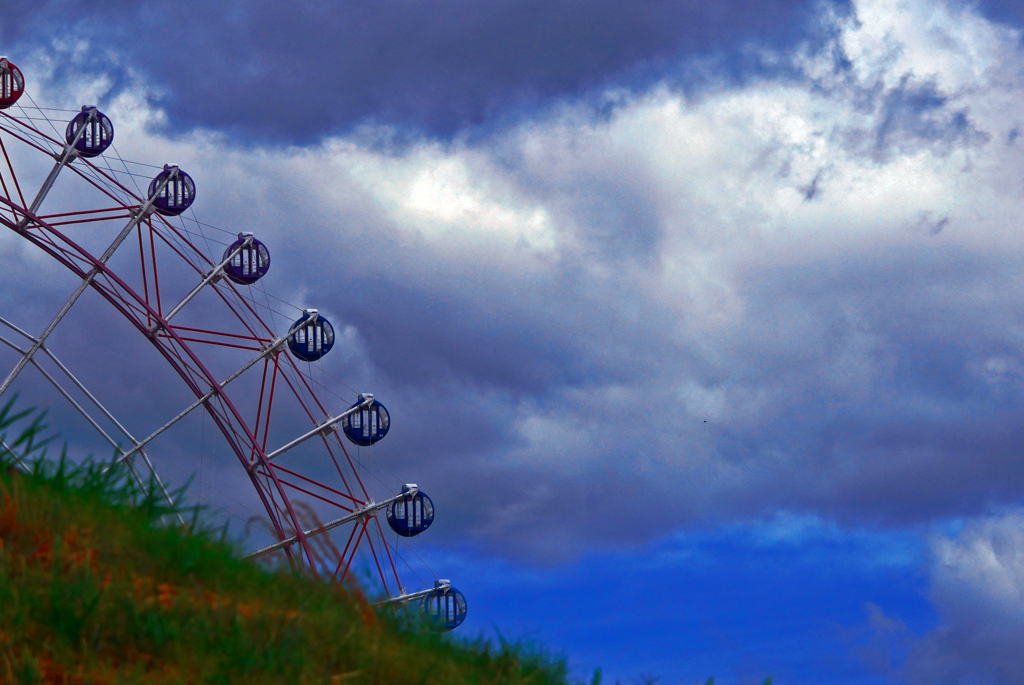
[367, 425]
[412, 514]
[250, 260]
[173, 191]
[445, 607]
[312, 336]
[90, 133]
[12, 83]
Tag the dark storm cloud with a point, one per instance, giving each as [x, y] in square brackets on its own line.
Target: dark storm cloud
[852, 446]
[299, 71]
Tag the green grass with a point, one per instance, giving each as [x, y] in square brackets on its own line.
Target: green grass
[95, 589]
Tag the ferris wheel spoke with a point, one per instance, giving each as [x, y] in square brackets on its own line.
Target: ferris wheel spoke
[20, 463]
[344, 553]
[307, 492]
[363, 514]
[235, 336]
[30, 136]
[3, 186]
[7, 193]
[259, 404]
[376, 560]
[156, 275]
[352, 555]
[271, 507]
[67, 254]
[215, 274]
[75, 218]
[270, 404]
[323, 429]
[212, 342]
[145, 277]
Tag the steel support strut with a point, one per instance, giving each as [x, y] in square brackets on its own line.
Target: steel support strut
[322, 429]
[212, 276]
[142, 212]
[65, 158]
[440, 585]
[369, 510]
[20, 463]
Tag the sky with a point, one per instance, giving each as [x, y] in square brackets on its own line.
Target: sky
[700, 322]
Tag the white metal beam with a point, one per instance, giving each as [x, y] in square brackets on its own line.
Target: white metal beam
[369, 510]
[441, 585]
[209, 277]
[322, 429]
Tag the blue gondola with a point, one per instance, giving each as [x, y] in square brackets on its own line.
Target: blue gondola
[250, 264]
[177, 194]
[313, 340]
[368, 425]
[412, 514]
[12, 83]
[97, 135]
[445, 608]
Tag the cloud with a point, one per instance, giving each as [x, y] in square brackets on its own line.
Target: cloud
[977, 584]
[593, 327]
[313, 69]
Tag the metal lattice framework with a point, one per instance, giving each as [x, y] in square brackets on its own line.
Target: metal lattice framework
[167, 248]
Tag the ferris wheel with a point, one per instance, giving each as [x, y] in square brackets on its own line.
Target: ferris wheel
[199, 311]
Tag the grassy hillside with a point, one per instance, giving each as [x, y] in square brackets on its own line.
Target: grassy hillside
[94, 590]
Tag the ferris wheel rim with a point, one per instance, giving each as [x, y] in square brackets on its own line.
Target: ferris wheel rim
[67, 260]
[114, 302]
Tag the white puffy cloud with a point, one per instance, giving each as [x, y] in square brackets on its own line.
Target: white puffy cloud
[977, 579]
